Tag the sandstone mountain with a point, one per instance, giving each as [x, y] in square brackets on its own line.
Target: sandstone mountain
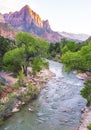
[7, 30]
[28, 21]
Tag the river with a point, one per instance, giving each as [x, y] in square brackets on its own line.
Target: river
[58, 106]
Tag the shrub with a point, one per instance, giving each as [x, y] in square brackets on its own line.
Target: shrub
[16, 85]
[21, 78]
[89, 126]
[33, 90]
[86, 92]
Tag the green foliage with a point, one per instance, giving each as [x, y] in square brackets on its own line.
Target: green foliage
[54, 49]
[71, 60]
[60, 48]
[20, 82]
[2, 108]
[70, 46]
[41, 47]
[80, 60]
[65, 49]
[45, 64]
[1, 122]
[23, 38]
[63, 42]
[38, 64]
[11, 96]
[33, 90]
[16, 85]
[86, 92]
[89, 126]
[78, 57]
[21, 78]
[5, 45]
[14, 59]
[51, 47]
[1, 89]
[28, 48]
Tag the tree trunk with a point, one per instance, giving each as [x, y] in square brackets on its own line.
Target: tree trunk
[25, 70]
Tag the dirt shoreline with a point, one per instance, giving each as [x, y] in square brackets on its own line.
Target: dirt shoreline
[86, 116]
[12, 99]
[86, 119]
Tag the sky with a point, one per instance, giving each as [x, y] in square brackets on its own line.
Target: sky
[72, 16]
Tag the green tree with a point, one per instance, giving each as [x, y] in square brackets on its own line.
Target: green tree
[63, 42]
[70, 46]
[14, 59]
[5, 45]
[28, 47]
[80, 60]
[72, 61]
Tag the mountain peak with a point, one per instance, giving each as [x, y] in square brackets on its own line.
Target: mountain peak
[26, 8]
[29, 21]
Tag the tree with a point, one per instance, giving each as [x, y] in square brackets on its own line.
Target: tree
[63, 42]
[80, 60]
[70, 46]
[14, 59]
[5, 45]
[28, 47]
[72, 61]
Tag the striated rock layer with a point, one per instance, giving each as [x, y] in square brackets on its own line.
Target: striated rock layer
[7, 30]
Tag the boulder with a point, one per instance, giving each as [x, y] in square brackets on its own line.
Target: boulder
[82, 76]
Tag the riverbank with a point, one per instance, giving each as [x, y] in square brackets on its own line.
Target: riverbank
[13, 97]
[86, 119]
[86, 116]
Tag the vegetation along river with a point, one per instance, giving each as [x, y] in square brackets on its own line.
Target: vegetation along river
[58, 106]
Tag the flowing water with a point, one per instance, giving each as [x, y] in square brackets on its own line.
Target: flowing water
[58, 106]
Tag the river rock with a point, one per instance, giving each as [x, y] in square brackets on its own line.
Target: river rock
[15, 109]
[82, 76]
[30, 109]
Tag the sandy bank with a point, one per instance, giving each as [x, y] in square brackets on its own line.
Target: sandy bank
[86, 119]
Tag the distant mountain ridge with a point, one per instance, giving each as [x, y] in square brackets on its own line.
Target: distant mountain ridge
[29, 21]
[76, 37]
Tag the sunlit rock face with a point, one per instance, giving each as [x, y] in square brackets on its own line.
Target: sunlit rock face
[29, 21]
[24, 18]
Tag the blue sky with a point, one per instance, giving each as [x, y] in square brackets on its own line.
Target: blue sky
[64, 15]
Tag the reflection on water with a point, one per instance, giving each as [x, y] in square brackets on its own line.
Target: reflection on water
[58, 106]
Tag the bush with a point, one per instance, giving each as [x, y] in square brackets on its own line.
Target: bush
[16, 85]
[1, 89]
[33, 90]
[86, 92]
[89, 126]
[20, 78]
